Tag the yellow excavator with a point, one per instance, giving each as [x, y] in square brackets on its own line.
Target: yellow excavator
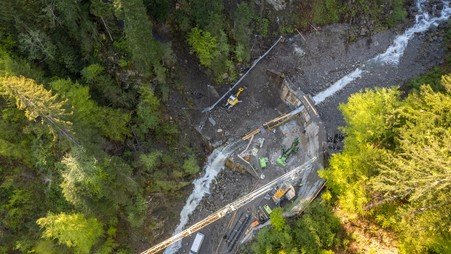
[233, 99]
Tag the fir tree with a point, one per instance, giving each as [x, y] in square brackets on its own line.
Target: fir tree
[38, 104]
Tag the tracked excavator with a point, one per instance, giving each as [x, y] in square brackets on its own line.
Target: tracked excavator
[233, 99]
[282, 160]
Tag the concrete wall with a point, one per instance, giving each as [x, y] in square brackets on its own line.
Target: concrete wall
[311, 183]
[289, 96]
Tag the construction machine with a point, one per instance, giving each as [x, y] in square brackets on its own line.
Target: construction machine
[263, 161]
[268, 209]
[282, 160]
[285, 191]
[233, 99]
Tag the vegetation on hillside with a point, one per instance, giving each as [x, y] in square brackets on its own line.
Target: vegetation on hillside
[396, 164]
[221, 46]
[317, 231]
[84, 139]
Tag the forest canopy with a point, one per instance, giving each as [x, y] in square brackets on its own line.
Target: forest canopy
[396, 164]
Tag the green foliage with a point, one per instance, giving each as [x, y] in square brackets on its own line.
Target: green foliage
[101, 61]
[26, 155]
[243, 31]
[277, 220]
[104, 89]
[383, 13]
[222, 67]
[321, 229]
[46, 247]
[190, 166]
[209, 35]
[17, 67]
[18, 207]
[241, 54]
[204, 44]
[109, 246]
[150, 161]
[143, 48]
[14, 143]
[366, 115]
[82, 179]
[158, 9]
[59, 35]
[79, 51]
[37, 45]
[263, 26]
[207, 14]
[398, 13]
[148, 111]
[374, 15]
[396, 164]
[432, 78]
[92, 71]
[101, 9]
[110, 122]
[325, 12]
[98, 186]
[37, 103]
[286, 29]
[315, 231]
[73, 230]
[77, 22]
[136, 212]
[169, 132]
[168, 187]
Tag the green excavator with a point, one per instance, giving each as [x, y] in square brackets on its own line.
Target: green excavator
[286, 153]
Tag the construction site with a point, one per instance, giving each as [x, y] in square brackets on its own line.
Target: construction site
[273, 129]
[274, 165]
[291, 143]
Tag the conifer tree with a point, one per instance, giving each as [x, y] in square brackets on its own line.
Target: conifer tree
[72, 230]
[38, 104]
[144, 50]
[148, 111]
[112, 123]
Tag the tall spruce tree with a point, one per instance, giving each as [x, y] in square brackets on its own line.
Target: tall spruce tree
[145, 51]
[38, 103]
[72, 230]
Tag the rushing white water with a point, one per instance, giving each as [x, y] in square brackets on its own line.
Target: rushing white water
[214, 165]
[337, 86]
[423, 21]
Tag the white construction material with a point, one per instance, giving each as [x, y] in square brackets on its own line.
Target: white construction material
[197, 243]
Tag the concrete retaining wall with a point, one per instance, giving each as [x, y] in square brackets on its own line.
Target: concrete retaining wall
[310, 184]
